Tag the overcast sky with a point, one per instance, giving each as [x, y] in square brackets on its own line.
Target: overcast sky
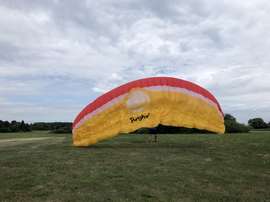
[57, 56]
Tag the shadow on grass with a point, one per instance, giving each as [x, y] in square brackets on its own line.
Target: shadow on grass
[144, 145]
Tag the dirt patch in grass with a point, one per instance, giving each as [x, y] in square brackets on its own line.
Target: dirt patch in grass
[18, 141]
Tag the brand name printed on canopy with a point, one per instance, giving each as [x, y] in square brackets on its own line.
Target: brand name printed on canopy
[139, 118]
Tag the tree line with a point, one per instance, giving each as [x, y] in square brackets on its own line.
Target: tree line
[231, 125]
[14, 126]
[55, 127]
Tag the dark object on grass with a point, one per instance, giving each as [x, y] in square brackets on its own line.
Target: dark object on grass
[153, 133]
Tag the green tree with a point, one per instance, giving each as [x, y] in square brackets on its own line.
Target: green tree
[229, 117]
[4, 126]
[232, 126]
[14, 126]
[257, 123]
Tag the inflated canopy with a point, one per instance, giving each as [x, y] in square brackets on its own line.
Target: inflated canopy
[147, 103]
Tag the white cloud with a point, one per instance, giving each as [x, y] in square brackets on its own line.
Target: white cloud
[56, 50]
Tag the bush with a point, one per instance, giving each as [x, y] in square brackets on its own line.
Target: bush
[232, 126]
[62, 130]
[4, 130]
[54, 127]
[257, 123]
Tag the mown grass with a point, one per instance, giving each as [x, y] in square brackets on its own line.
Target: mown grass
[189, 167]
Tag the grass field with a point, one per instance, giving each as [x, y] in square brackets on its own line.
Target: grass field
[38, 166]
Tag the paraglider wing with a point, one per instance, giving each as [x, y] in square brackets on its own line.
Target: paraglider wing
[147, 103]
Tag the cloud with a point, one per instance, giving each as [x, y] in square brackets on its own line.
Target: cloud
[56, 56]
